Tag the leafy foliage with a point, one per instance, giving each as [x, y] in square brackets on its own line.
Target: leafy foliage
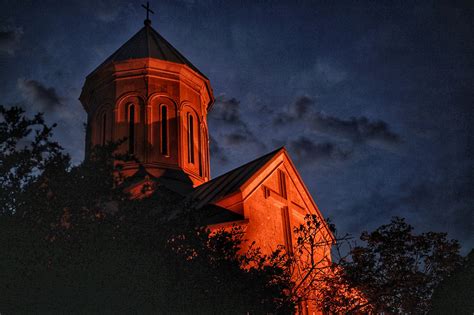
[398, 270]
[26, 150]
[455, 294]
[318, 280]
[393, 270]
[73, 242]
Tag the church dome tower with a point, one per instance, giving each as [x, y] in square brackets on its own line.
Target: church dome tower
[148, 93]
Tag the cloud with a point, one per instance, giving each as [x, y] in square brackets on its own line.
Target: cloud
[301, 107]
[217, 152]
[308, 151]
[236, 138]
[10, 39]
[329, 72]
[357, 129]
[323, 75]
[326, 137]
[36, 93]
[108, 10]
[226, 112]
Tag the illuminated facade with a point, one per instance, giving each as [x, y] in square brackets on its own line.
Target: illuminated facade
[150, 94]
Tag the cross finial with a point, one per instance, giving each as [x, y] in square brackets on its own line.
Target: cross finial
[148, 10]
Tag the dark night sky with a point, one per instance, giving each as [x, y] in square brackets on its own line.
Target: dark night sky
[374, 101]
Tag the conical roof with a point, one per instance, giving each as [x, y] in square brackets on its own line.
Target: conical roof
[148, 43]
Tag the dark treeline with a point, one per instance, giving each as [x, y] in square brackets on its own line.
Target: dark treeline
[73, 241]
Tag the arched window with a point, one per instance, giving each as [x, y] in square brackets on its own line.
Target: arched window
[190, 138]
[104, 128]
[131, 129]
[164, 130]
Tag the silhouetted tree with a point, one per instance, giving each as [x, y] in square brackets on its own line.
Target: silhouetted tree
[317, 278]
[26, 150]
[455, 294]
[398, 270]
[73, 242]
[393, 270]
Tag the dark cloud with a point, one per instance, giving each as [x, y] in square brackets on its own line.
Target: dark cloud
[10, 39]
[357, 129]
[236, 138]
[308, 151]
[217, 152]
[282, 119]
[36, 93]
[302, 106]
[242, 136]
[227, 110]
[297, 111]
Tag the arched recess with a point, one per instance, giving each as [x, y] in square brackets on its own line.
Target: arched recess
[205, 151]
[191, 140]
[130, 125]
[102, 125]
[163, 130]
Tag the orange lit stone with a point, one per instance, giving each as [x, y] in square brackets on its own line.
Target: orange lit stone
[149, 84]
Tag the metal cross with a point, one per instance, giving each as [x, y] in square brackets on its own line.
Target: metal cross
[148, 10]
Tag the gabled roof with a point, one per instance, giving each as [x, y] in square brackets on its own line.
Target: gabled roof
[148, 43]
[244, 178]
[229, 182]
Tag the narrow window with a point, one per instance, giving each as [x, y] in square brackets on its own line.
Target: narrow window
[164, 130]
[104, 128]
[285, 213]
[131, 129]
[190, 138]
[282, 183]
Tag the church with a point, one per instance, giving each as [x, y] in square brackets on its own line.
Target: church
[148, 93]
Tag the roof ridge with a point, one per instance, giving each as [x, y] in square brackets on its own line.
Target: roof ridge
[180, 56]
[248, 163]
[142, 45]
[147, 40]
[152, 31]
[115, 52]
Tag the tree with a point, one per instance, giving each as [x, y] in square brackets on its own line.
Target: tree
[317, 278]
[455, 294]
[23, 155]
[73, 242]
[393, 270]
[397, 270]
